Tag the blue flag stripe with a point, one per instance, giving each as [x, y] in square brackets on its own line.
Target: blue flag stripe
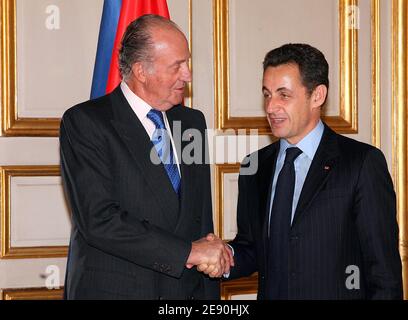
[107, 33]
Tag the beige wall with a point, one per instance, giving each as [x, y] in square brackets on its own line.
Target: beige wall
[54, 71]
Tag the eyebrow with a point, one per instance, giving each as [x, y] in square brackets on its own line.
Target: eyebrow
[283, 89]
[278, 90]
[179, 62]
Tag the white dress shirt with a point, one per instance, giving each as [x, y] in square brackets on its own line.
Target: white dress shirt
[141, 108]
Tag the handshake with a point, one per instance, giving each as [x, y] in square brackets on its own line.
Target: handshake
[211, 255]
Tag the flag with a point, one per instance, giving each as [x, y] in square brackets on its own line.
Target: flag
[116, 16]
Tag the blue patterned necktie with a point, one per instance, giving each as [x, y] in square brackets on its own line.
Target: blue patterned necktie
[162, 143]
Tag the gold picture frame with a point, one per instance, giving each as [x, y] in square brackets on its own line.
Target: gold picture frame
[345, 122]
[247, 285]
[11, 123]
[7, 251]
[375, 73]
[400, 127]
[32, 294]
[220, 170]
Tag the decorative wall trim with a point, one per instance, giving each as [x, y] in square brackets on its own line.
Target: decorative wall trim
[220, 170]
[399, 124]
[7, 251]
[12, 124]
[190, 44]
[32, 294]
[376, 73]
[248, 285]
[345, 122]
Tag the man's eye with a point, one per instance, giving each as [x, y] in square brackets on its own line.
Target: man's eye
[175, 67]
[266, 95]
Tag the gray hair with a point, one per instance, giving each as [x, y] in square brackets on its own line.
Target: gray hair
[137, 42]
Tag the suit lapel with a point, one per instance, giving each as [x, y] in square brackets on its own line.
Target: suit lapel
[134, 136]
[266, 173]
[322, 165]
[179, 125]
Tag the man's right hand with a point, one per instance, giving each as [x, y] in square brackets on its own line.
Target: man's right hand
[211, 256]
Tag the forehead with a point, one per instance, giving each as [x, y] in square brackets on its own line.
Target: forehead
[169, 44]
[168, 37]
[285, 75]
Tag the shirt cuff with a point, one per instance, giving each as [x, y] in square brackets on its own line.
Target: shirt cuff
[226, 275]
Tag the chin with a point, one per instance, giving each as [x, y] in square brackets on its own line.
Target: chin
[181, 101]
[167, 108]
[278, 134]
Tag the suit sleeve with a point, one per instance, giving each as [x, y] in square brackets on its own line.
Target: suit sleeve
[375, 206]
[97, 214]
[244, 243]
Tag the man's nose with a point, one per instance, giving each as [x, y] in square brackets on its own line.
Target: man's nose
[271, 105]
[186, 73]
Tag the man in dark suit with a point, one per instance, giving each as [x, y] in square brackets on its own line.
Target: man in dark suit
[138, 204]
[318, 219]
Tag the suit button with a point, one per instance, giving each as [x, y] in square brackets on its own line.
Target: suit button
[294, 238]
[160, 298]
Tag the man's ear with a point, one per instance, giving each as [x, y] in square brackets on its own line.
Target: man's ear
[139, 72]
[319, 96]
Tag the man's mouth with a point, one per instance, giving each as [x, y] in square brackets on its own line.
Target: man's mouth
[277, 120]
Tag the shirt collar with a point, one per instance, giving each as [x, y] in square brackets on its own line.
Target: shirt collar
[308, 144]
[138, 105]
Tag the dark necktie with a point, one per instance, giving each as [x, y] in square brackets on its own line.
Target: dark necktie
[162, 143]
[279, 229]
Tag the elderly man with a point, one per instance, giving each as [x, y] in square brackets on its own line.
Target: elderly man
[137, 207]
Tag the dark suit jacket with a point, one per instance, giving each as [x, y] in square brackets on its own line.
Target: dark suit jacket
[346, 216]
[131, 234]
